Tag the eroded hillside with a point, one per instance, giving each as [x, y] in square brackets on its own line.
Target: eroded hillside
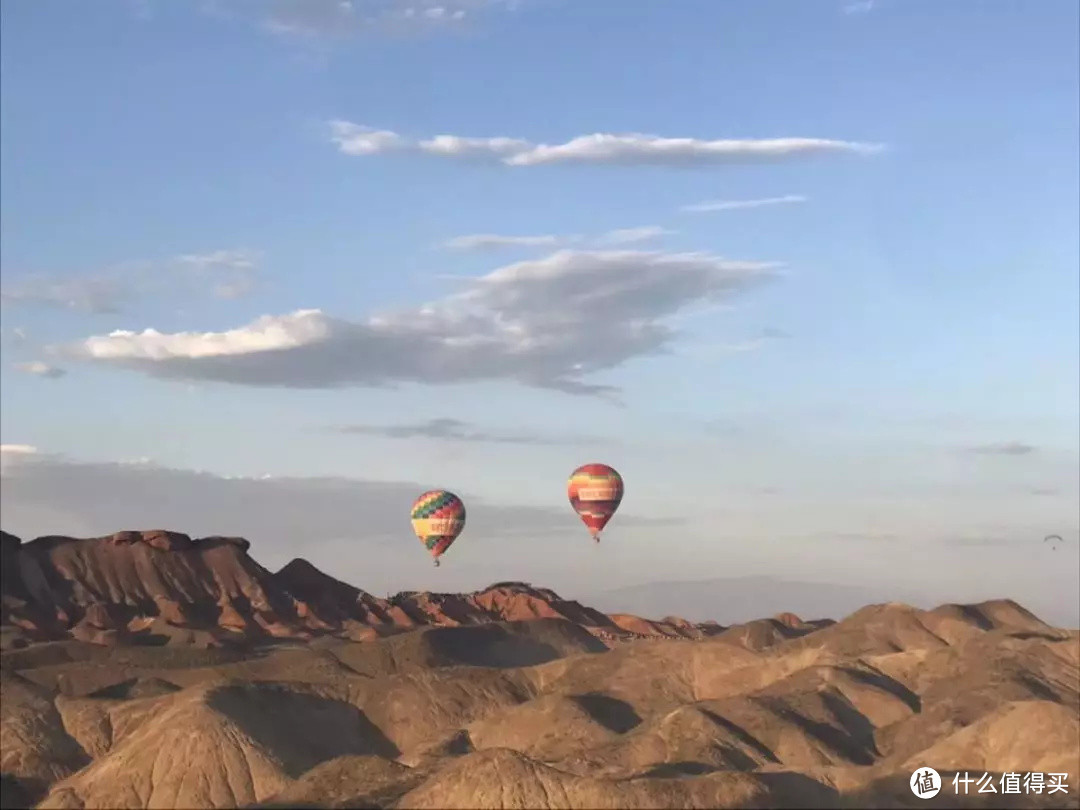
[507, 698]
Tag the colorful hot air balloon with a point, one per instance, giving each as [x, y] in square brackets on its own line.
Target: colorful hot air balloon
[438, 517]
[595, 492]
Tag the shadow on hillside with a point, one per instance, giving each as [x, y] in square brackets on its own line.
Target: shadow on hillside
[323, 729]
[135, 688]
[489, 646]
[744, 736]
[15, 792]
[675, 770]
[613, 714]
[885, 684]
[789, 789]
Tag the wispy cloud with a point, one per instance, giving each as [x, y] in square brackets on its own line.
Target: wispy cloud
[40, 369]
[224, 273]
[1003, 449]
[858, 7]
[141, 9]
[456, 430]
[734, 205]
[632, 149]
[628, 236]
[862, 537]
[532, 322]
[490, 241]
[750, 344]
[342, 520]
[338, 20]
[224, 259]
[982, 541]
[230, 274]
[51, 493]
[100, 294]
[619, 236]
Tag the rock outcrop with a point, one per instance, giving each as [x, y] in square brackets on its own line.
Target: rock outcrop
[165, 587]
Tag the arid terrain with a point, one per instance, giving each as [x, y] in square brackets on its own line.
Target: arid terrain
[150, 669]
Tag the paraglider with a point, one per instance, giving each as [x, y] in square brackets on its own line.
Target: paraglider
[1051, 538]
[595, 492]
[438, 516]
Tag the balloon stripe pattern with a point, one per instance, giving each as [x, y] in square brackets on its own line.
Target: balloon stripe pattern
[595, 492]
[438, 517]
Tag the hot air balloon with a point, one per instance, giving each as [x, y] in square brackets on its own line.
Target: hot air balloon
[438, 517]
[595, 492]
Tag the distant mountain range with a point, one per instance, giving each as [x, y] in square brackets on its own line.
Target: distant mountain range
[740, 599]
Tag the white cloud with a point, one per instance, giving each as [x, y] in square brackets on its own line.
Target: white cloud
[533, 322]
[268, 333]
[627, 236]
[628, 149]
[488, 241]
[457, 146]
[637, 149]
[12, 455]
[40, 369]
[734, 205]
[353, 139]
[17, 449]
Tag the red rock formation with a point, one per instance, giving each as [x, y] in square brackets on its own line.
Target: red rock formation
[137, 584]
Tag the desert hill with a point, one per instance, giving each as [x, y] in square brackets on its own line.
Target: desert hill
[153, 670]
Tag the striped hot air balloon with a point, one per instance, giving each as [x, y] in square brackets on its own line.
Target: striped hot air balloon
[595, 492]
[438, 517]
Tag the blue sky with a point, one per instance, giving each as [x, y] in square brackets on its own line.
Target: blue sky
[884, 346]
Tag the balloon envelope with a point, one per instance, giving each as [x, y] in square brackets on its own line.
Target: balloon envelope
[438, 517]
[595, 492]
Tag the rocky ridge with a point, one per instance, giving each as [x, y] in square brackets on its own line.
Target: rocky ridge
[164, 587]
